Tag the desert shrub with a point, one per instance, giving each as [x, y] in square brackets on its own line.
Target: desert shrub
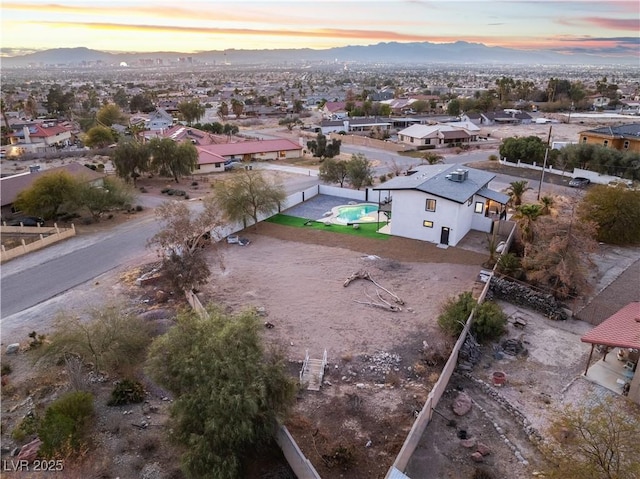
[5, 369]
[509, 264]
[489, 320]
[143, 189]
[194, 183]
[126, 392]
[493, 157]
[110, 339]
[455, 312]
[139, 208]
[383, 178]
[63, 426]
[340, 455]
[27, 427]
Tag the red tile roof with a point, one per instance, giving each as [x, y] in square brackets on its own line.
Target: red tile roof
[621, 330]
[252, 147]
[208, 158]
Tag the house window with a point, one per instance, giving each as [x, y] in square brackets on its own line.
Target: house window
[411, 139]
[605, 143]
[431, 205]
[479, 207]
[626, 145]
[427, 224]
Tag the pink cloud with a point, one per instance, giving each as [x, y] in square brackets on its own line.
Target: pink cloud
[627, 24]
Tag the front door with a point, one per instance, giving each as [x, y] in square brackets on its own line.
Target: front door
[444, 235]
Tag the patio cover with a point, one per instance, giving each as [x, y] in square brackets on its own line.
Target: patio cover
[493, 195]
[621, 330]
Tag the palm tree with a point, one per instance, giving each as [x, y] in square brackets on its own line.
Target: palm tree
[547, 203]
[433, 158]
[526, 215]
[516, 190]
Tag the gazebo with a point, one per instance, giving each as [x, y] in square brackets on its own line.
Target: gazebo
[621, 330]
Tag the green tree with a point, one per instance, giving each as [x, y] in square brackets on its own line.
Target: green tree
[616, 211]
[453, 107]
[59, 102]
[191, 111]
[594, 441]
[249, 194]
[109, 114]
[180, 239]
[131, 159]
[359, 171]
[223, 111]
[121, 98]
[547, 202]
[47, 194]
[290, 122]
[173, 159]
[530, 149]
[141, 103]
[321, 148]
[333, 171]
[114, 194]
[516, 190]
[237, 107]
[99, 137]
[230, 393]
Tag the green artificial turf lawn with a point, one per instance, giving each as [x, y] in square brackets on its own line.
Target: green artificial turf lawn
[365, 230]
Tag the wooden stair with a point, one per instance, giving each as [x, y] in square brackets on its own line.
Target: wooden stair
[312, 372]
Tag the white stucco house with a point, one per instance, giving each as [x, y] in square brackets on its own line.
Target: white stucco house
[436, 135]
[442, 203]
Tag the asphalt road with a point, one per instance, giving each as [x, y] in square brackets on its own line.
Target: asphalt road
[32, 279]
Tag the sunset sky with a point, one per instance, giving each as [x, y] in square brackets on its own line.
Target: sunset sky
[604, 27]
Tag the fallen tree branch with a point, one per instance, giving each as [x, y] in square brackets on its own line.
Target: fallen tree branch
[362, 274]
[387, 307]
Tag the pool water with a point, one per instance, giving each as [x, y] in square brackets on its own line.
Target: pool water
[361, 213]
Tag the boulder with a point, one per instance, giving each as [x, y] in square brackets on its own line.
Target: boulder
[477, 457]
[29, 452]
[13, 348]
[462, 404]
[483, 449]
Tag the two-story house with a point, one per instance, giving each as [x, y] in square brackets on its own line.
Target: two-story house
[442, 203]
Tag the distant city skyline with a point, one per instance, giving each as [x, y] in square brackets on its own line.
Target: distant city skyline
[609, 28]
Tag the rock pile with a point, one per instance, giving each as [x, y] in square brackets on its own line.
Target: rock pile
[383, 362]
[521, 295]
[470, 354]
[514, 347]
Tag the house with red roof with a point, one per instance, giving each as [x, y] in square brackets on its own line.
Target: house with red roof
[620, 331]
[37, 138]
[211, 158]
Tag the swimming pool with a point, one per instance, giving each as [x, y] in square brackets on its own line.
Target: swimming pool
[360, 213]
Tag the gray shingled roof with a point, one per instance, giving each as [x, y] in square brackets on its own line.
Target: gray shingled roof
[630, 130]
[432, 179]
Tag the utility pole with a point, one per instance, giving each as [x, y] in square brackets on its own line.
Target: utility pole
[544, 166]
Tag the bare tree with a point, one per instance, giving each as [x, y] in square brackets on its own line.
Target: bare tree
[179, 243]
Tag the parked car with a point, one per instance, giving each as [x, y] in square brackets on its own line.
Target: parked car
[579, 182]
[26, 221]
[232, 165]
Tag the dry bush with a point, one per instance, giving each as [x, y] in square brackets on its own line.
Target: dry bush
[393, 379]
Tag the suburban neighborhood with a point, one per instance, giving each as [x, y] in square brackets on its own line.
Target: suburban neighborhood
[381, 272]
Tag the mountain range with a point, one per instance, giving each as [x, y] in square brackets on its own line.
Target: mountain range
[417, 53]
